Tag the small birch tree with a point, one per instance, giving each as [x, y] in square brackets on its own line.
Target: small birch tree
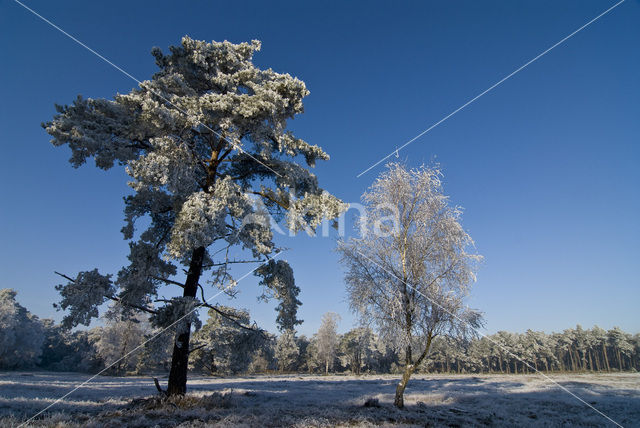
[327, 340]
[410, 270]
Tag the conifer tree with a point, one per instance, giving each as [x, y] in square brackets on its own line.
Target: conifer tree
[206, 145]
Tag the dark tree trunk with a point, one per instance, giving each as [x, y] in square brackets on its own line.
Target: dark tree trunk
[180, 358]
[357, 362]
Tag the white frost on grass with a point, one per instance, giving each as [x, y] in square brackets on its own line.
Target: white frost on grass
[295, 400]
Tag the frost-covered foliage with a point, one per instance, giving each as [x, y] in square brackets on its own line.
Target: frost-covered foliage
[311, 361]
[277, 277]
[226, 342]
[68, 351]
[178, 314]
[117, 343]
[263, 359]
[203, 219]
[422, 268]
[200, 139]
[303, 345]
[21, 333]
[410, 271]
[323, 401]
[358, 350]
[505, 352]
[287, 350]
[155, 355]
[82, 297]
[326, 340]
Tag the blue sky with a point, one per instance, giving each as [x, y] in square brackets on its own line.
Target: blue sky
[545, 165]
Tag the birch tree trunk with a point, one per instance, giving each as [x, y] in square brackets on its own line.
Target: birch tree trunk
[408, 371]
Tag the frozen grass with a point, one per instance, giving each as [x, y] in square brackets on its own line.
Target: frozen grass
[301, 401]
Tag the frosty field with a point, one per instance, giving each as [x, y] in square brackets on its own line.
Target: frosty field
[301, 400]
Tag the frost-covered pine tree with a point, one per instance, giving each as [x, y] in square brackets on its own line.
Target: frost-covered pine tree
[68, 351]
[600, 342]
[21, 333]
[326, 340]
[303, 345]
[358, 350]
[287, 350]
[621, 344]
[206, 145]
[409, 272]
[224, 344]
[263, 358]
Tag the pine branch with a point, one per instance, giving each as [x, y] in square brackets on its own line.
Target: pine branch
[197, 347]
[114, 298]
[168, 281]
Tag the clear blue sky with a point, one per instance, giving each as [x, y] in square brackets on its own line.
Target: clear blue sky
[546, 165]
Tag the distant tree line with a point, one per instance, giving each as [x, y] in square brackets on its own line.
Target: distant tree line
[27, 342]
[222, 346]
[360, 350]
[572, 350]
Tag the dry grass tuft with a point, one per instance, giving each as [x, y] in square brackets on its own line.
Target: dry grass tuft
[216, 400]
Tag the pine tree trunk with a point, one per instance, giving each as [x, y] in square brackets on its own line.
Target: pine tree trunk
[571, 359]
[180, 358]
[606, 358]
[619, 359]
